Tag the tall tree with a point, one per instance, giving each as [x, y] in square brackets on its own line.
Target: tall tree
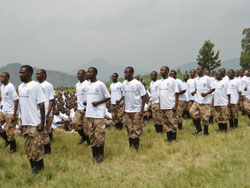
[245, 53]
[207, 58]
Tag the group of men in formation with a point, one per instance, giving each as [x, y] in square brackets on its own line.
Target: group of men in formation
[36, 110]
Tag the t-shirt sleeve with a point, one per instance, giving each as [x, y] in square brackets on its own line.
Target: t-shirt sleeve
[142, 90]
[51, 93]
[14, 94]
[228, 90]
[211, 83]
[40, 96]
[176, 87]
[181, 86]
[105, 91]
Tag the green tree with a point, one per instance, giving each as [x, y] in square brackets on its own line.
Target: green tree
[245, 53]
[207, 58]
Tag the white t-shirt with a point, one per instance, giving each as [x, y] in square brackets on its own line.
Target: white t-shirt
[49, 92]
[133, 92]
[9, 96]
[81, 89]
[234, 90]
[108, 114]
[182, 86]
[167, 91]
[247, 93]
[203, 85]
[116, 92]
[244, 82]
[221, 92]
[191, 88]
[31, 95]
[96, 91]
[154, 88]
[58, 118]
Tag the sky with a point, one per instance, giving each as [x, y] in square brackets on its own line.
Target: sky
[64, 34]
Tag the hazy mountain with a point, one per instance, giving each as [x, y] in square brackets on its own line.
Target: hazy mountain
[58, 79]
[105, 69]
[228, 64]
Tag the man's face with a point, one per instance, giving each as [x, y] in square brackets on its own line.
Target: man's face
[207, 73]
[153, 76]
[242, 73]
[80, 75]
[90, 73]
[24, 75]
[127, 74]
[172, 74]
[218, 75]
[200, 71]
[231, 74]
[185, 77]
[39, 75]
[4, 78]
[114, 77]
[163, 71]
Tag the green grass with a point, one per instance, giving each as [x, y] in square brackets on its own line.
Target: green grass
[218, 160]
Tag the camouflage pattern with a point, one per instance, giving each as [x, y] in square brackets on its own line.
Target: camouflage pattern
[134, 124]
[202, 111]
[212, 111]
[234, 111]
[182, 106]
[117, 112]
[247, 106]
[96, 129]
[47, 130]
[80, 122]
[221, 114]
[33, 143]
[9, 126]
[170, 120]
[242, 101]
[189, 105]
[156, 113]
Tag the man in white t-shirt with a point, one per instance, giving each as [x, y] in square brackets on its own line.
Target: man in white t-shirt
[201, 108]
[49, 92]
[183, 98]
[97, 96]
[169, 97]
[32, 114]
[117, 110]
[134, 100]
[191, 88]
[243, 82]
[235, 95]
[79, 122]
[154, 102]
[8, 114]
[247, 96]
[221, 101]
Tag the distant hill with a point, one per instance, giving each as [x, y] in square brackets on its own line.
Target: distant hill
[58, 79]
[105, 69]
[228, 64]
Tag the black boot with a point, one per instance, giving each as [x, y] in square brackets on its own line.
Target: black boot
[37, 166]
[4, 136]
[206, 130]
[120, 126]
[136, 143]
[211, 120]
[31, 164]
[169, 137]
[12, 146]
[160, 128]
[173, 135]
[87, 139]
[180, 126]
[51, 136]
[231, 123]
[94, 153]
[156, 128]
[100, 153]
[40, 165]
[80, 132]
[225, 127]
[198, 126]
[47, 149]
[220, 125]
[235, 122]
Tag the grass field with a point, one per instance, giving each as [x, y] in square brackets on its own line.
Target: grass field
[218, 160]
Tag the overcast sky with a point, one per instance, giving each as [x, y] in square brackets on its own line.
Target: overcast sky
[63, 34]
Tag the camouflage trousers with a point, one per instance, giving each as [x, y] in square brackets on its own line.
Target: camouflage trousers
[96, 128]
[221, 114]
[47, 130]
[189, 105]
[233, 111]
[212, 111]
[247, 106]
[33, 144]
[134, 124]
[242, 102]
[202, 111]
[182, 106]
[80, 122]
[9, 125]
[170, 120]
[117, 112]
[156, 113]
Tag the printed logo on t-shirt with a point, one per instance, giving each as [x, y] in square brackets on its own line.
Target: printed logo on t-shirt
[205, 85]
[6, 94]
[168, 84]
[222, 85]
[96, 89]
[132, 87]
[28, 91]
